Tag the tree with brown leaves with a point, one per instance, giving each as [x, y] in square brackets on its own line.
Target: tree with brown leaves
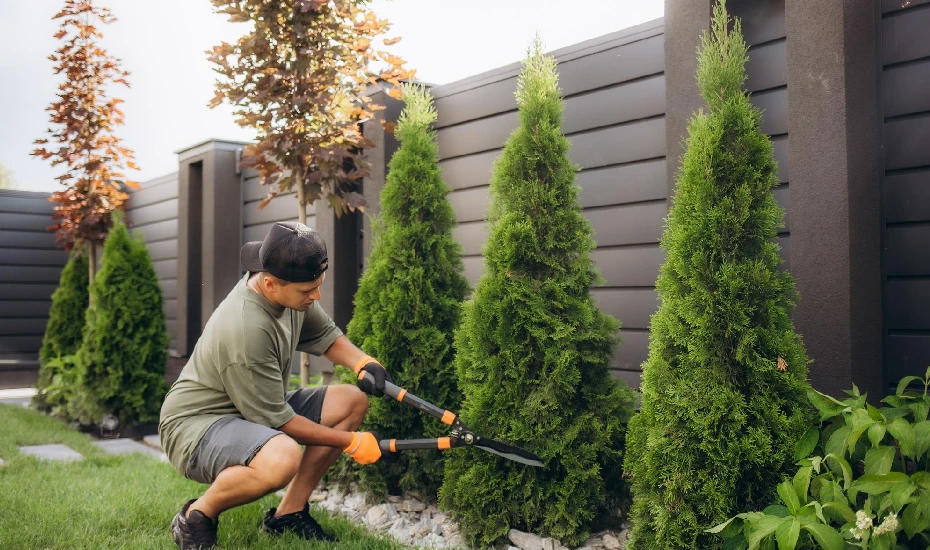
[82, 138]
[298, 78]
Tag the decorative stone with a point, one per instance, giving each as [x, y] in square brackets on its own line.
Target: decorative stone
[529, 541]
[124, 446]
[354, 501]
[153, 441]
[318, 496]
[335, 498]
[394, 499]
[51, 452]
[413, 505]
[612, 542]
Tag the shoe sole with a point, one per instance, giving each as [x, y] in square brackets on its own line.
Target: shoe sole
[176, 531]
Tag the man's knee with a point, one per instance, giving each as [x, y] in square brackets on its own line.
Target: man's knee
[278, 461]
[358, 404]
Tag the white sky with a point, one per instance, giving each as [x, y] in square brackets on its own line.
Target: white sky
[162, 43]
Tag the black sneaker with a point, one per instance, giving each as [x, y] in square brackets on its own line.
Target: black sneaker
[300, 523]
[197, 532]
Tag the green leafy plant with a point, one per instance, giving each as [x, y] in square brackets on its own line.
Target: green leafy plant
[533, 350]
[409, 301]
[725, 381]
[125, 346]
[65, 325]
[867, 486]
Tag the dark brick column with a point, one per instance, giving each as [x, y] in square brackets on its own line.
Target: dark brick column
[835, 208]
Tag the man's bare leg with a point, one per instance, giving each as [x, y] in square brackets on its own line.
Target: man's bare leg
[344, 409]
[272, 468]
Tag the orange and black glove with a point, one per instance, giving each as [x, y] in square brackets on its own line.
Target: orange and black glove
[365, 447]
[372, 366]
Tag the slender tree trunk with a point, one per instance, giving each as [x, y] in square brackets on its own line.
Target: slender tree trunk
[302, 218]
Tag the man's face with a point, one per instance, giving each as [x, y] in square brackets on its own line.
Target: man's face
[299, 296]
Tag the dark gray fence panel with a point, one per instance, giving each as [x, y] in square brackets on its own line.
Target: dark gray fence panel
[30, 268]
[255, 221]
[153, 212]
[905, 59]
[614, 90]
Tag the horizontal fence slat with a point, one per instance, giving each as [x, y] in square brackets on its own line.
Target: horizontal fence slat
[20, 344]
[632, 307]
[170, 307]
[627, 224]
[629, 266]
[632, 351]
[904, 36]
[258, 232]
[36, 274]
[160, 211]
[780, 149]
[470, 171]
[767, 66]
[471, 236]
[280, 209]
[906, 141]
[23, 205]
[636, 182]
[154, 191]
[908, 304]
[25, 222]
[774, 105]
[907, 196]
[907, 251]
[628, 143]
[26, 291]
[889, 6]
[906, 355]
[905, 89]
[158, 231]
[166, 269]
[28, 239]
[630, 378]
[783, 198]
[163, 250]
[33, 327]
[761, 21]
[474, 267]
[470, 204]
[169, 288]
[22, 308]
[20, 256]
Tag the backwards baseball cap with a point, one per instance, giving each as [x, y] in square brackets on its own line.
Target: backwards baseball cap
[291, 251]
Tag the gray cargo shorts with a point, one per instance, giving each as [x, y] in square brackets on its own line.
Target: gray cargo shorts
[235, 442]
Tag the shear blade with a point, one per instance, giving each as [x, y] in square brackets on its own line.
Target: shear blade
[509, 452]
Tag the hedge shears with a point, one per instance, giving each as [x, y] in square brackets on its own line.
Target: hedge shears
[460, 435]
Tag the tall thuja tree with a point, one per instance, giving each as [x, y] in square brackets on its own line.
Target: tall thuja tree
[83, 120]
[125, 344]
[724, 384]
[65, 320]
[409, 300]
[533, 350]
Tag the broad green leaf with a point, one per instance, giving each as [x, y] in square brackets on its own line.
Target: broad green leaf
[825, 536]
[877, 484]
[817, 508]
[802, 482]
[914, 520]
[807, 444]
[878, 460]
[765, 526]
[899, 495]
[874, 413]
[718, 528]
[861, 421]
[920, 410]
[903, 384]
[882, 542]
[903, 432]
[815, 463]
[842, 510]
[844, 466]
[836, 445]
[776, 510]
[787, 534]
[921, 479]
[921, 438]
[789, 497]
[876, 434]
[736, 542]
[827, 405]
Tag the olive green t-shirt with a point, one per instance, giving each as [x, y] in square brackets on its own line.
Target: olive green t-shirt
[240, 368]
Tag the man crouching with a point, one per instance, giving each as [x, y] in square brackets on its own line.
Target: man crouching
[229, 421]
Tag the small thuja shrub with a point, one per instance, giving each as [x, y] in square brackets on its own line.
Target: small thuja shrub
[125, 346]
[533, 350]
[724, 386]
[409, 302]
[64, 328]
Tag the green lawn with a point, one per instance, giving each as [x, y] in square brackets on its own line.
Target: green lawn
[117, 501]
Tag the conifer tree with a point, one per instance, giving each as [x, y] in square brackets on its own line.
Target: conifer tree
[533, 350]
[125, 343]
[65, 320]
[409, 301]
[724, 384]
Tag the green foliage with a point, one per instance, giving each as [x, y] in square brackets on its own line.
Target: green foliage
[409, 302]
[725, 381]
[65, 325]
[125, 345]
[533, 349]
[866, 486]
